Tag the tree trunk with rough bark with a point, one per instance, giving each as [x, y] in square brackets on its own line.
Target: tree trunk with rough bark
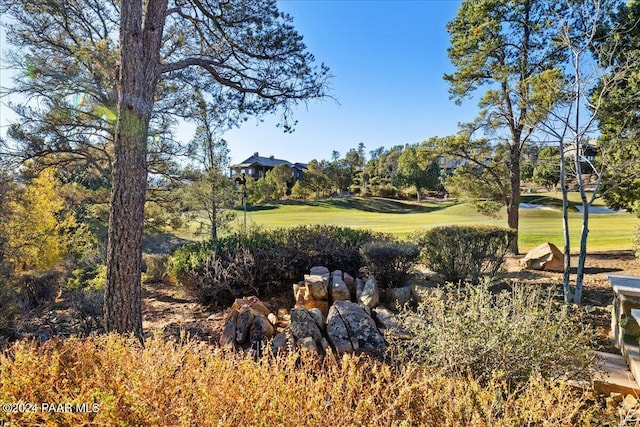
[140, 40]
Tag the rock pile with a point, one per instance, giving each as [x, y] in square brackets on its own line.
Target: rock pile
[340, 307]
[249, 322]
[332, 310]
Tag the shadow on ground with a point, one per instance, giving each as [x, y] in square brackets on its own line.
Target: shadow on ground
[371, 204]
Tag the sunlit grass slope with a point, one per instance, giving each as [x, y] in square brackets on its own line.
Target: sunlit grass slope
[607, 231]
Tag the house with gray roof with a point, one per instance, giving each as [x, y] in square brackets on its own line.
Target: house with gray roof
[257, 166]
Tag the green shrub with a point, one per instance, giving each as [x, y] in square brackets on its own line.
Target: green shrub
[390, 262]
[264, 261]
[461, 253]
[385, 190]
[91, 277]
[514, 335]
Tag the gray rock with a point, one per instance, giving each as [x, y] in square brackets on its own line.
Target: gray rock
[228, 337]
[350, 328]
[324, 344]
[243, 324]
[365, 308]
[282, 342]
[339, 290]
[303, 324]
[338, 333]
[319, 270]
[369, 295]
[359, 288]
[318, 317]
[318, 286]
[350, 282]
[384, 317]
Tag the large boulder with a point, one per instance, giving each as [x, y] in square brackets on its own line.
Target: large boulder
[544, 257]
[350, 328]
[304, 325]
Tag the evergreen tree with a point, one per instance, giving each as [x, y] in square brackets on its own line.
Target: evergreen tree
[507, 46]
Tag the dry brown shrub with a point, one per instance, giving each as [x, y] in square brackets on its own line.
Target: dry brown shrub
[187, 384]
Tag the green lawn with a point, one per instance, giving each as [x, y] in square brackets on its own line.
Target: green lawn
[607, 231]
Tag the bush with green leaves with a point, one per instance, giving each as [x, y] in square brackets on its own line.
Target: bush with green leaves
[263, 261]
[514, 335]
[460, 253]
[390, 262]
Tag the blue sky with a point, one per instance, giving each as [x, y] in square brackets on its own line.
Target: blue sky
[387, 58]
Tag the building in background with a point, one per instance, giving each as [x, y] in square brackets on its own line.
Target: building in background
[257, 167]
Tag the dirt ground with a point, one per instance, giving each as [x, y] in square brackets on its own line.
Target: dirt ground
[169, 311]
[597, 296]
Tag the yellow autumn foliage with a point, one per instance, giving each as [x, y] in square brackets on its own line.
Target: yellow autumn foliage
[38, 228]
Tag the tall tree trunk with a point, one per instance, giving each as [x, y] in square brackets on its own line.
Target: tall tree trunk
[513, 213]
[140, 40]
[582, 255]
[566, 284]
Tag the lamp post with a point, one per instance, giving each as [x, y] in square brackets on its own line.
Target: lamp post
[242, 180]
